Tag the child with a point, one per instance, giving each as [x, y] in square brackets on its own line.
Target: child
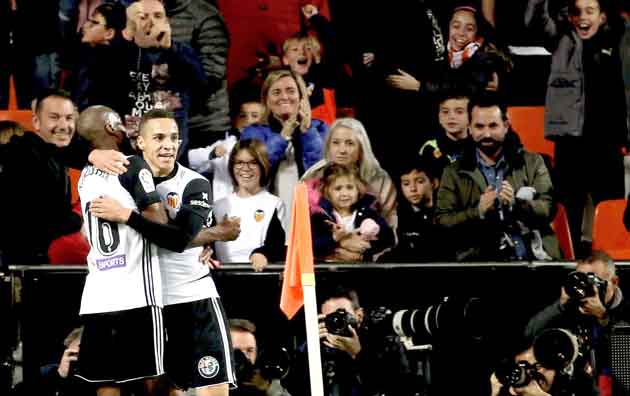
[450, 143]
[214, 158]
[345, 226]
[585, 109]
[418, 237]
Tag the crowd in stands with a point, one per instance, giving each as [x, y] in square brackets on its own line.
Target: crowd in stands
[429, 170]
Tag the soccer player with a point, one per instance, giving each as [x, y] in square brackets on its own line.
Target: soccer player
[121, 306]
[198, 352]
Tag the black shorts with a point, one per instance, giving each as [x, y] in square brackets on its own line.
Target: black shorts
[122, 346]
[198, 347]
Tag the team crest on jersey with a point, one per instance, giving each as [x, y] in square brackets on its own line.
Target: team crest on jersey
[259, 215]
[146, 179]
[172, 200]
[208, 367]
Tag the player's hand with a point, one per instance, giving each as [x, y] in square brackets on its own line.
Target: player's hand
[228, 229]
[110, 161]
[368, 58]
[350, 345]
[495, 385]
[109, 209]
[486, 201]
[507, 194]
[205, 258]
[69, 355]
[259, 261]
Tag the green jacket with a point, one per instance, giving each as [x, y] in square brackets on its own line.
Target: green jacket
[461, 187]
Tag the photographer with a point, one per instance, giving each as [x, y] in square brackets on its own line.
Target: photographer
[590, 308]
[354, 361]
[243, 334]
[58, 378]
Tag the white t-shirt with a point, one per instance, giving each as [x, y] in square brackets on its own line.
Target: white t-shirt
[256, 213]
[123, 266]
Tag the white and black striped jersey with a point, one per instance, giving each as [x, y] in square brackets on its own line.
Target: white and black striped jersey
[123, 266]
[263, 224]
[186, 196]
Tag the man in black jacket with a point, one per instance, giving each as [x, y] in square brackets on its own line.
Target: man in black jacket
[592, 317]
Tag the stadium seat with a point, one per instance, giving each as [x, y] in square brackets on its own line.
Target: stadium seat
[529, 124]
[609, 233]
[560, 226]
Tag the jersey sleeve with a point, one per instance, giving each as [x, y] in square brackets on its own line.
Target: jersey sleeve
[138, 181]
[196, 208]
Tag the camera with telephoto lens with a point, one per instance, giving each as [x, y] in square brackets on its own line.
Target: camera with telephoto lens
[579, 285]
[555, 349]
[337, 322]
[271, 364]
[452, 317]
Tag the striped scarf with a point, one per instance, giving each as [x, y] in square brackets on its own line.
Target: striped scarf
[457, 58]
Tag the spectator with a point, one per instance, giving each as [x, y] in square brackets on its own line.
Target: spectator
[390, 65]
[152, 71]
[294, 142]
[585, 108]
[450, 143]
[58, 379]
[347, 143]
[243, 333]
[214, 158]
[263, 215]
[593, 316]
[199, 24]
[496, 201]
[303, 55]
[8, 129]
[475, 59]
[32, 165]
[356, 363]
[102, 29]
[344, 213]
[419, 238]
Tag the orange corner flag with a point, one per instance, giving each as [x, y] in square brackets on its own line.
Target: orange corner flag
[298, 269]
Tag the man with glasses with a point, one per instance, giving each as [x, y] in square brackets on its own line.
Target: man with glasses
[198, 351]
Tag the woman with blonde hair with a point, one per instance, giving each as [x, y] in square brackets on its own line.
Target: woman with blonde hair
[293, 140]
[347, 144]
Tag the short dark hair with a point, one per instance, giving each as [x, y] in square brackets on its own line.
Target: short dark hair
[242, 325]
[256, 149]
[154, 115]
[487, 99]
[453, 90]
[420, 163]
[342, 292]
[50, 93]
[114, 14]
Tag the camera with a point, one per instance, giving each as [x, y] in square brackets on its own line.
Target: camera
[517, 374]
[271, 364]
[579, 285]
[452, 317]
[337, 322]
[556, 349]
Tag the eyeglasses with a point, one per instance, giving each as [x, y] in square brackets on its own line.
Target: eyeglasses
[242, 164]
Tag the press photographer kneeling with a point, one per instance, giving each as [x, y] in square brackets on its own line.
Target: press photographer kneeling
[591, 305]
[551, 366]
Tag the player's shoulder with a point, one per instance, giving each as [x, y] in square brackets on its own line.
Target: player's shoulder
[188, 174]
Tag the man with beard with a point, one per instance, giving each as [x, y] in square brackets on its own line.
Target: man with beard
[497, 199]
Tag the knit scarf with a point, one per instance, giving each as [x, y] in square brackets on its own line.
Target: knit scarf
[457, 58]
